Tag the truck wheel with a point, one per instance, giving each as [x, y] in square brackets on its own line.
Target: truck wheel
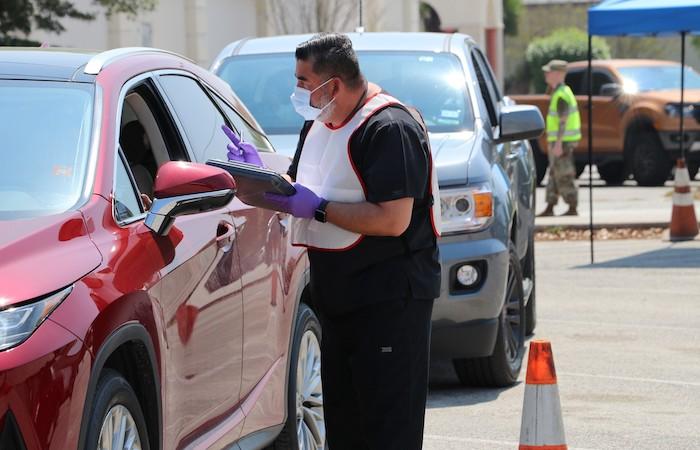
[613, 172]
[651, 165]
[541, 161]
[580, 167]
[693, 167]
[503, 366]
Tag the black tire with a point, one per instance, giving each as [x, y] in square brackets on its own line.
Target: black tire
[541, 161]
[113, 390]
[503, 366]
[612, 172]
[529, 272]
[580, 167]
[651, 165]
[693, 167]
[306, 321]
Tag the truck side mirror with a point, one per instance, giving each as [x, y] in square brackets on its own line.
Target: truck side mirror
[611, 90]
[519, 122]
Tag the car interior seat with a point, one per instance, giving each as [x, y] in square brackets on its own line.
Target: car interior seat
[133, 141]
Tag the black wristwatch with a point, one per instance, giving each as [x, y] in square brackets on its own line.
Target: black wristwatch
[320, 213]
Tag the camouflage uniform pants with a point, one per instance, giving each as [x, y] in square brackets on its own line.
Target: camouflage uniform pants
[562, 175]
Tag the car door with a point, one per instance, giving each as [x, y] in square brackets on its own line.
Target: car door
[607, 109]
[512, 156]
[200, 288]
[261, 234]
[264, 237]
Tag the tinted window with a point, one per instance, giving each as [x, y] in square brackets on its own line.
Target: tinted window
[198, 115]
[577, 82]
[242, 127]
[657, 78]
[126, 201]
[45, 130]
[487, 93]
[600, 79]
[432, 82]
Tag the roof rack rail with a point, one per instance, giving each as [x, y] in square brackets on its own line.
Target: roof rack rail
[101, 60]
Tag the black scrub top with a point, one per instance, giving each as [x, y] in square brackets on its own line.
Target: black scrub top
[390, 151]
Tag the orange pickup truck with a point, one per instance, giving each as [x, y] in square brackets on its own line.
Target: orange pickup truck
[636, 118]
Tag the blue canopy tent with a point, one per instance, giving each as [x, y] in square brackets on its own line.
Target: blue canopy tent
[638, 18]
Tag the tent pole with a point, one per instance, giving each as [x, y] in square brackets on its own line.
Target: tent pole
[590, 142]
[683, 33]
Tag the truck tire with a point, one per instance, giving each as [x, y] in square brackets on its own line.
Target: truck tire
[580, 167]
[612, 172]
[693, 167]
[541, 161]
[651, 165]
[528, 266]
[503, 366]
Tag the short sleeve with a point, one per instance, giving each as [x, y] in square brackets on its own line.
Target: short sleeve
[394, 163]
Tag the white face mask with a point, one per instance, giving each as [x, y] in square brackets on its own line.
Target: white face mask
[301, 100]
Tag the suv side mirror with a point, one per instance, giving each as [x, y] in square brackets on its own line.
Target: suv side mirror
[611, 90]
[520, 122]
[183, 188]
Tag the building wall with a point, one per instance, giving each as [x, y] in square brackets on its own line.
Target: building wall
[477, 18]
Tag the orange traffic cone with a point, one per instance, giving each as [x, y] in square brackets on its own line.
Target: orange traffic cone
[542, 426]
[684, 225]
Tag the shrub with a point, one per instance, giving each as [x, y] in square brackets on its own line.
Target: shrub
[569, 44]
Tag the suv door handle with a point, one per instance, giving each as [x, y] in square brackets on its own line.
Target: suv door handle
[225, 234]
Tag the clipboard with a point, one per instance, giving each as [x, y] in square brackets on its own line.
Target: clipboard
[253, 182]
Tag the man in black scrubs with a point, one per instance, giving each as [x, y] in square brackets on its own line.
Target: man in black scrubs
[365, 209]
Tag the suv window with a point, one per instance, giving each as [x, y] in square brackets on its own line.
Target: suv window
[126, 201]
[199, 116]
[600, 78]
[243, 128]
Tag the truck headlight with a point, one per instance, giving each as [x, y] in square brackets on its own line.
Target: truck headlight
[674, 110]
[466, 209]
[17, 323]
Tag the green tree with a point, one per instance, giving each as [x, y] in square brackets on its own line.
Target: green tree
[569, 44]
[511, 14]
[20, 17]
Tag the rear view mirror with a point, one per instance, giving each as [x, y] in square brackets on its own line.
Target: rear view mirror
[520, 122]
[610, 90]
[183, 188]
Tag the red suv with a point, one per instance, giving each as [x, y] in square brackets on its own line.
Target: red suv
[142, 306]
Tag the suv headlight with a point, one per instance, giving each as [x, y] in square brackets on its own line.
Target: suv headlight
[17, 323]
[466, 209]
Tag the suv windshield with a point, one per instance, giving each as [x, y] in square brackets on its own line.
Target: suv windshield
[658, 78]
[434, 83]
[45, 129]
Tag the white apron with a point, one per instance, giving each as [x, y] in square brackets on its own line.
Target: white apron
[326, 167]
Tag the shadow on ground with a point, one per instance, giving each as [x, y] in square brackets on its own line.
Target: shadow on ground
[446, 390]
[672, 257]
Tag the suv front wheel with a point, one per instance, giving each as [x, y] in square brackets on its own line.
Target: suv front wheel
[305, 427]
[503, 366]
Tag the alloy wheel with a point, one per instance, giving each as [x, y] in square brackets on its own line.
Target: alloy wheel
[119, 431]
[513, 318]
[311, 429]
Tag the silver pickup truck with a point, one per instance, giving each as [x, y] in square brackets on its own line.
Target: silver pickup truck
[486, 171]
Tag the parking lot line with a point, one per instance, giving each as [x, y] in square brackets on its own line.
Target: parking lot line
[626, 325]
[640, 380]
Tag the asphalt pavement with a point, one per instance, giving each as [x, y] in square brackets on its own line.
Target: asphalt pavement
[616, 205]
[625, 334]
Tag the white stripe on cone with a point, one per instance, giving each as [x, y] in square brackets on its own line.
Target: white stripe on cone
[683, 199]
[542, 422]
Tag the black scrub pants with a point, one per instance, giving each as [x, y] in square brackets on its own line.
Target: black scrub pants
[374, 364]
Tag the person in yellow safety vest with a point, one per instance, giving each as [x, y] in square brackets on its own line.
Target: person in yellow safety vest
[563, 135]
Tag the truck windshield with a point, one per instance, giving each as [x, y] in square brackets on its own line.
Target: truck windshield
[45, 129]
[657, 78]
[434, 83]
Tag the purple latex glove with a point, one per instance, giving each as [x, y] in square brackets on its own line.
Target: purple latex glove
[303, 204]
[241, 151]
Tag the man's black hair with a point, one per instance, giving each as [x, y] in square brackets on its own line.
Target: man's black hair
[332, 55]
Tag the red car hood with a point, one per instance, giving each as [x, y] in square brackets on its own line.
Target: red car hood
[41, 255]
